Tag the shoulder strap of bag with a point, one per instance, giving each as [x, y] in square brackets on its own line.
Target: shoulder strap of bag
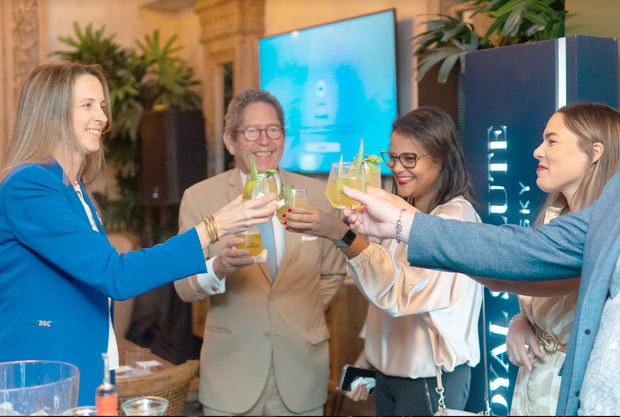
[441, 404]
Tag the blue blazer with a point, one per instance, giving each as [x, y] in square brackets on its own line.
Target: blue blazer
[56, 273]
[585, 244]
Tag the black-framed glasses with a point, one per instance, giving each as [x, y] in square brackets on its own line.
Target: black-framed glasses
[252, 133]
[407, 159]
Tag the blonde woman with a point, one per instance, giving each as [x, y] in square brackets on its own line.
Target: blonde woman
[580, 152]
[58, 272]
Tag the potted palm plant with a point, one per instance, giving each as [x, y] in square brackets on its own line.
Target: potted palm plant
[441, 49]
[448, 39]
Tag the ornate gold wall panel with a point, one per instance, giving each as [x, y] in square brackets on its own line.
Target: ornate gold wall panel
[22, 48]
[229, 33]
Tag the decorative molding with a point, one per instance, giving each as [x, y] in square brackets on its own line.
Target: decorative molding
[229, 33]
[26, 49]
[22, 48]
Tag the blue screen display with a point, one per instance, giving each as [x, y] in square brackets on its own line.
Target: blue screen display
[337, 84]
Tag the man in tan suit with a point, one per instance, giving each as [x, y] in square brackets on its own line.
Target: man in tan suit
[265, 348]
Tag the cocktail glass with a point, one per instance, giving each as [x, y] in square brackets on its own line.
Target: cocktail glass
[145, 406]
[292, 197]
[261, 185]
[84, 410]
[341, 174]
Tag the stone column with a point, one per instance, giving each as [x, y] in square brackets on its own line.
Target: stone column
[229, 33]
[22, 48]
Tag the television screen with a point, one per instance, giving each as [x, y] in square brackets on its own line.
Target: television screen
[336, 83]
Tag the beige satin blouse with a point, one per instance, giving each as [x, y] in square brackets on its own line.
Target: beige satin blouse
[417, 317]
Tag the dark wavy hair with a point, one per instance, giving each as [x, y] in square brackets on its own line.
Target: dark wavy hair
[434, 130]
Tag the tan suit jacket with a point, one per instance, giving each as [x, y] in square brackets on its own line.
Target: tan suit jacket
[255, 319]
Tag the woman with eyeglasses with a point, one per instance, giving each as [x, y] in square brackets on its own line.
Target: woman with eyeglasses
[420, 322]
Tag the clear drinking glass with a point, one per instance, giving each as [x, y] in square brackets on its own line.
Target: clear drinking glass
[292, 197]
[256, 188]
[251, 241]
[84, 410]
[372, 175]
[345, 173]
[41, 387]
[145, 406]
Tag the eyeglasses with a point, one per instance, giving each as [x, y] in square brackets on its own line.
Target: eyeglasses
[252, 133]
[407, 159]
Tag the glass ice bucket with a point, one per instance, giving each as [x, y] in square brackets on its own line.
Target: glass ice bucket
[38, 387]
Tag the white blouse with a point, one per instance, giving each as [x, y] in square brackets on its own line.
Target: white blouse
[418, 318]
[113, 357]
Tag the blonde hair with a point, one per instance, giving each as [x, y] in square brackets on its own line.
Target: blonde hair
[44, 121]
[592, 123]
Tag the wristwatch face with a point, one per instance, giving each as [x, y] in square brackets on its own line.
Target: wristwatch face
[346, 239]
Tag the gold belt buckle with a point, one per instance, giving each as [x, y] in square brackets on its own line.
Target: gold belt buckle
[550, 344]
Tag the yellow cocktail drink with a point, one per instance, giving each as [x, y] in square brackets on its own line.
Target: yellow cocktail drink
[252, 241]
[292, 197]
[341, 174]
[372, 175]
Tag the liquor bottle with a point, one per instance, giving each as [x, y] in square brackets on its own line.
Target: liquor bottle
[106, 398]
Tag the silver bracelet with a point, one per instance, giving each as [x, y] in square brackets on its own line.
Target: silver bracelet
[399, 224]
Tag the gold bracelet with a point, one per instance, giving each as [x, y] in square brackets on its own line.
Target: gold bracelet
[212, 217]
[213, 227]
[208, 227]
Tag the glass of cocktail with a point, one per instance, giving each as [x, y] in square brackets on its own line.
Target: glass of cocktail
[256, 186]
[350, 174]
[291, 197]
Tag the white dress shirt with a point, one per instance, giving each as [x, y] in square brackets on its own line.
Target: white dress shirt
[417, 318]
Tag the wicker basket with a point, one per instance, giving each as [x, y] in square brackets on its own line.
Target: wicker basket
[172, 384]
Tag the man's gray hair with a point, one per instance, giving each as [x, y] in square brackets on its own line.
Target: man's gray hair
[234, 114]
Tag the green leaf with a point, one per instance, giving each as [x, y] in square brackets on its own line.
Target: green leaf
[446, 68]
[449, 34]
[360, 153]
[372, 162]
[253, 170]
[529, 32]
[535, 18]
[511, 26]
[430, 60]
[509, 7]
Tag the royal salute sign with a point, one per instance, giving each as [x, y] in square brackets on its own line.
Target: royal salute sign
[510, 93]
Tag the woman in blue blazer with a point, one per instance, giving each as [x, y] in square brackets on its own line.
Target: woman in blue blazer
[58, 272]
